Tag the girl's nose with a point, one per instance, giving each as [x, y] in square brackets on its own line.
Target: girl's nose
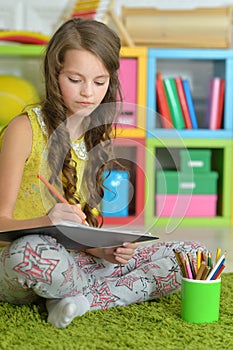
[86, 89]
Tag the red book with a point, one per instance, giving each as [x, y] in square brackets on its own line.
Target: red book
[162, 103]
[183, 103]
[220, 104]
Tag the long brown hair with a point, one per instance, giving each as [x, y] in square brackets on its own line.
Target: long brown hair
[100, 40]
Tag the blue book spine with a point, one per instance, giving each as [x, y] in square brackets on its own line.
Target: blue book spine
[189, 100]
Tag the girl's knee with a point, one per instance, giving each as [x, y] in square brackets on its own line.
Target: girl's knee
[37, 262]
[29, 252]
[35, 241]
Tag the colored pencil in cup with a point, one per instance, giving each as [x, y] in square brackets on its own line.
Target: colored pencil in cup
[191, 263]
[56, 193]
[218, 273]
[216, 268]
[210, 263]
[218, 254]
[205, 272]
[181, 262]
[200, 270]
[198, 259]
[188, 268]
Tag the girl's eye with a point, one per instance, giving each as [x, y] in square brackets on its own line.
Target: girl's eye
[100, 83]
[74, 80]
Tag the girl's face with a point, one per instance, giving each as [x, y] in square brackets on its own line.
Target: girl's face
[83, 82]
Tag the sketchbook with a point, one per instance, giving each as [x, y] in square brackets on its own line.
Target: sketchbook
[79, 236]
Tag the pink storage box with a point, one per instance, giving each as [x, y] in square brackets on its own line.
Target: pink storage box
[185, 205]
[128, 79]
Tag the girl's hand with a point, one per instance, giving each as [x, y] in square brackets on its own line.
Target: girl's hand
[119, 255]
[66, 212]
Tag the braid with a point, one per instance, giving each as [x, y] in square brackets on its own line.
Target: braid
[87, 35]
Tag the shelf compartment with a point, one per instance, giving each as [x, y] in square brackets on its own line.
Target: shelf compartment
[164, 154]
[131, 154]
[140, 54]
[198, 66]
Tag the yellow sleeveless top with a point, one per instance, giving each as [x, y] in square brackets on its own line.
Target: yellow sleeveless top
[34, 199]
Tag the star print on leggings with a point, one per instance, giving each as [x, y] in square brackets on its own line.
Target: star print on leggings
[88, 264]
[166, 284]
[34, 267]
[102, 296]
[144, 255]
[127, 281]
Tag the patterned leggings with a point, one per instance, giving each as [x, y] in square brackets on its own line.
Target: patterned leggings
[37, 266]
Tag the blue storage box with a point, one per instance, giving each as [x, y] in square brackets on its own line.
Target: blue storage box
[116, 196]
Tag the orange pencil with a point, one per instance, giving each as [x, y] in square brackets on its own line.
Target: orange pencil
[56, 193]
[53, 190]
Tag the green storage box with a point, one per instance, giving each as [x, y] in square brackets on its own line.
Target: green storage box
[173, 182]
[198, 160]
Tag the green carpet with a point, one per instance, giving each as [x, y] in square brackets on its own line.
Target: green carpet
[151, 326]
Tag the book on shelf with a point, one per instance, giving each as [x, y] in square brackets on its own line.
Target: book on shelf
[183, 102]
[221, 104]
[190, 103]
[78, 236]
[162, 103]
[174, 103]
[212, 103]
[215, 103]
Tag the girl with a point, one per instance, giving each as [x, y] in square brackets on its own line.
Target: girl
[67, 138]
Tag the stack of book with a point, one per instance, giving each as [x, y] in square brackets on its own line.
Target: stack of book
[176, 107]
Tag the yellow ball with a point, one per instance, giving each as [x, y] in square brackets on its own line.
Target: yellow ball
[15, 94]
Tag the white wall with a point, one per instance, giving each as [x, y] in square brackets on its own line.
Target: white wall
[45, 15]
[40, 16]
